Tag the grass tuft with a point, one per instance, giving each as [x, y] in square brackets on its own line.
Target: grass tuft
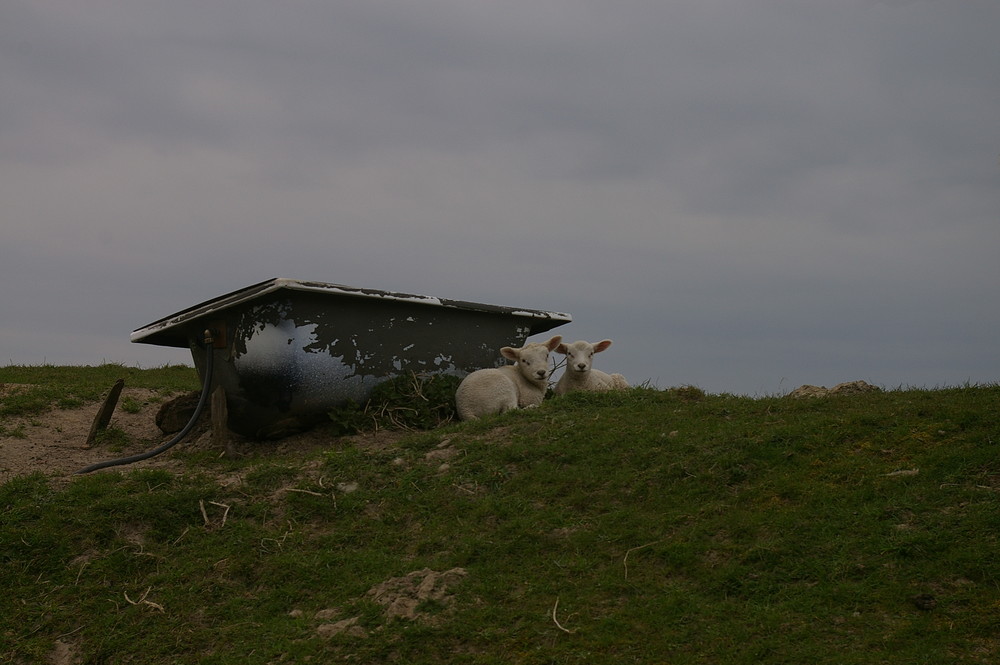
[408, 402]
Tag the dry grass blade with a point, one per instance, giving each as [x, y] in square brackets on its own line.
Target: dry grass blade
[555, 620]
[225, 515]
[143, 601]
[293, 489]
[636, 549]
[204, 513]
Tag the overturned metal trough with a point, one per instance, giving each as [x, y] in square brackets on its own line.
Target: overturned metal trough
[287, 351]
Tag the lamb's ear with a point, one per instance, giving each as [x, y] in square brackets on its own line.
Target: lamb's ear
[602, 345]
[562, 348]
[510, 353]
[553, 343]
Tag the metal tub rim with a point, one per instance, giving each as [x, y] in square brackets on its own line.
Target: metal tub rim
[166, 332]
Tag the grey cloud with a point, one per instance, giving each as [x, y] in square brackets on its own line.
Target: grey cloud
[772, 189]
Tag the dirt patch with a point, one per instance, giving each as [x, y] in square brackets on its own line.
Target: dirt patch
[402, 597]
[417, 596]
[63, 653]
[848, 388]
[54, 443]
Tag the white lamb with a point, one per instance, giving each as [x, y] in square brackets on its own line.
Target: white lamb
[499, 389]
[580, 375]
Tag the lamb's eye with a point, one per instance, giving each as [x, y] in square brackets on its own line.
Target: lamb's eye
[526, 362]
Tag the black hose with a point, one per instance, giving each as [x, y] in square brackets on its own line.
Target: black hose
[206, 384]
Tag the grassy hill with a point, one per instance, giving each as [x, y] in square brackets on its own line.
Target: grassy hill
[653, 526]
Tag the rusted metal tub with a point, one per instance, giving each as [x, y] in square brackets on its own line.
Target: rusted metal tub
[287, 351]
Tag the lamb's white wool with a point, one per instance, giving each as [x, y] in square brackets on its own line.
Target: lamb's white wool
[495, 390]
[580, 374]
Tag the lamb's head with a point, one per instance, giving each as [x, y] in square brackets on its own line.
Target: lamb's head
[532, 359]
[580, 355]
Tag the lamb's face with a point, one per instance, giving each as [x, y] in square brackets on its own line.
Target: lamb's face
[533, 361]
[579, 356]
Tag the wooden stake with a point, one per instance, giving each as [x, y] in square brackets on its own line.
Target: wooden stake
[220, 417]
[103, 418]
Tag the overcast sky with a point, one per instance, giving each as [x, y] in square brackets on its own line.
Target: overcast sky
[745, 195]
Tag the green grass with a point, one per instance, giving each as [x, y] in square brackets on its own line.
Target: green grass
[38, 388]
[670, 526]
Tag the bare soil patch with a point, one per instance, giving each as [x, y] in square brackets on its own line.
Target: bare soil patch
[55, 442]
